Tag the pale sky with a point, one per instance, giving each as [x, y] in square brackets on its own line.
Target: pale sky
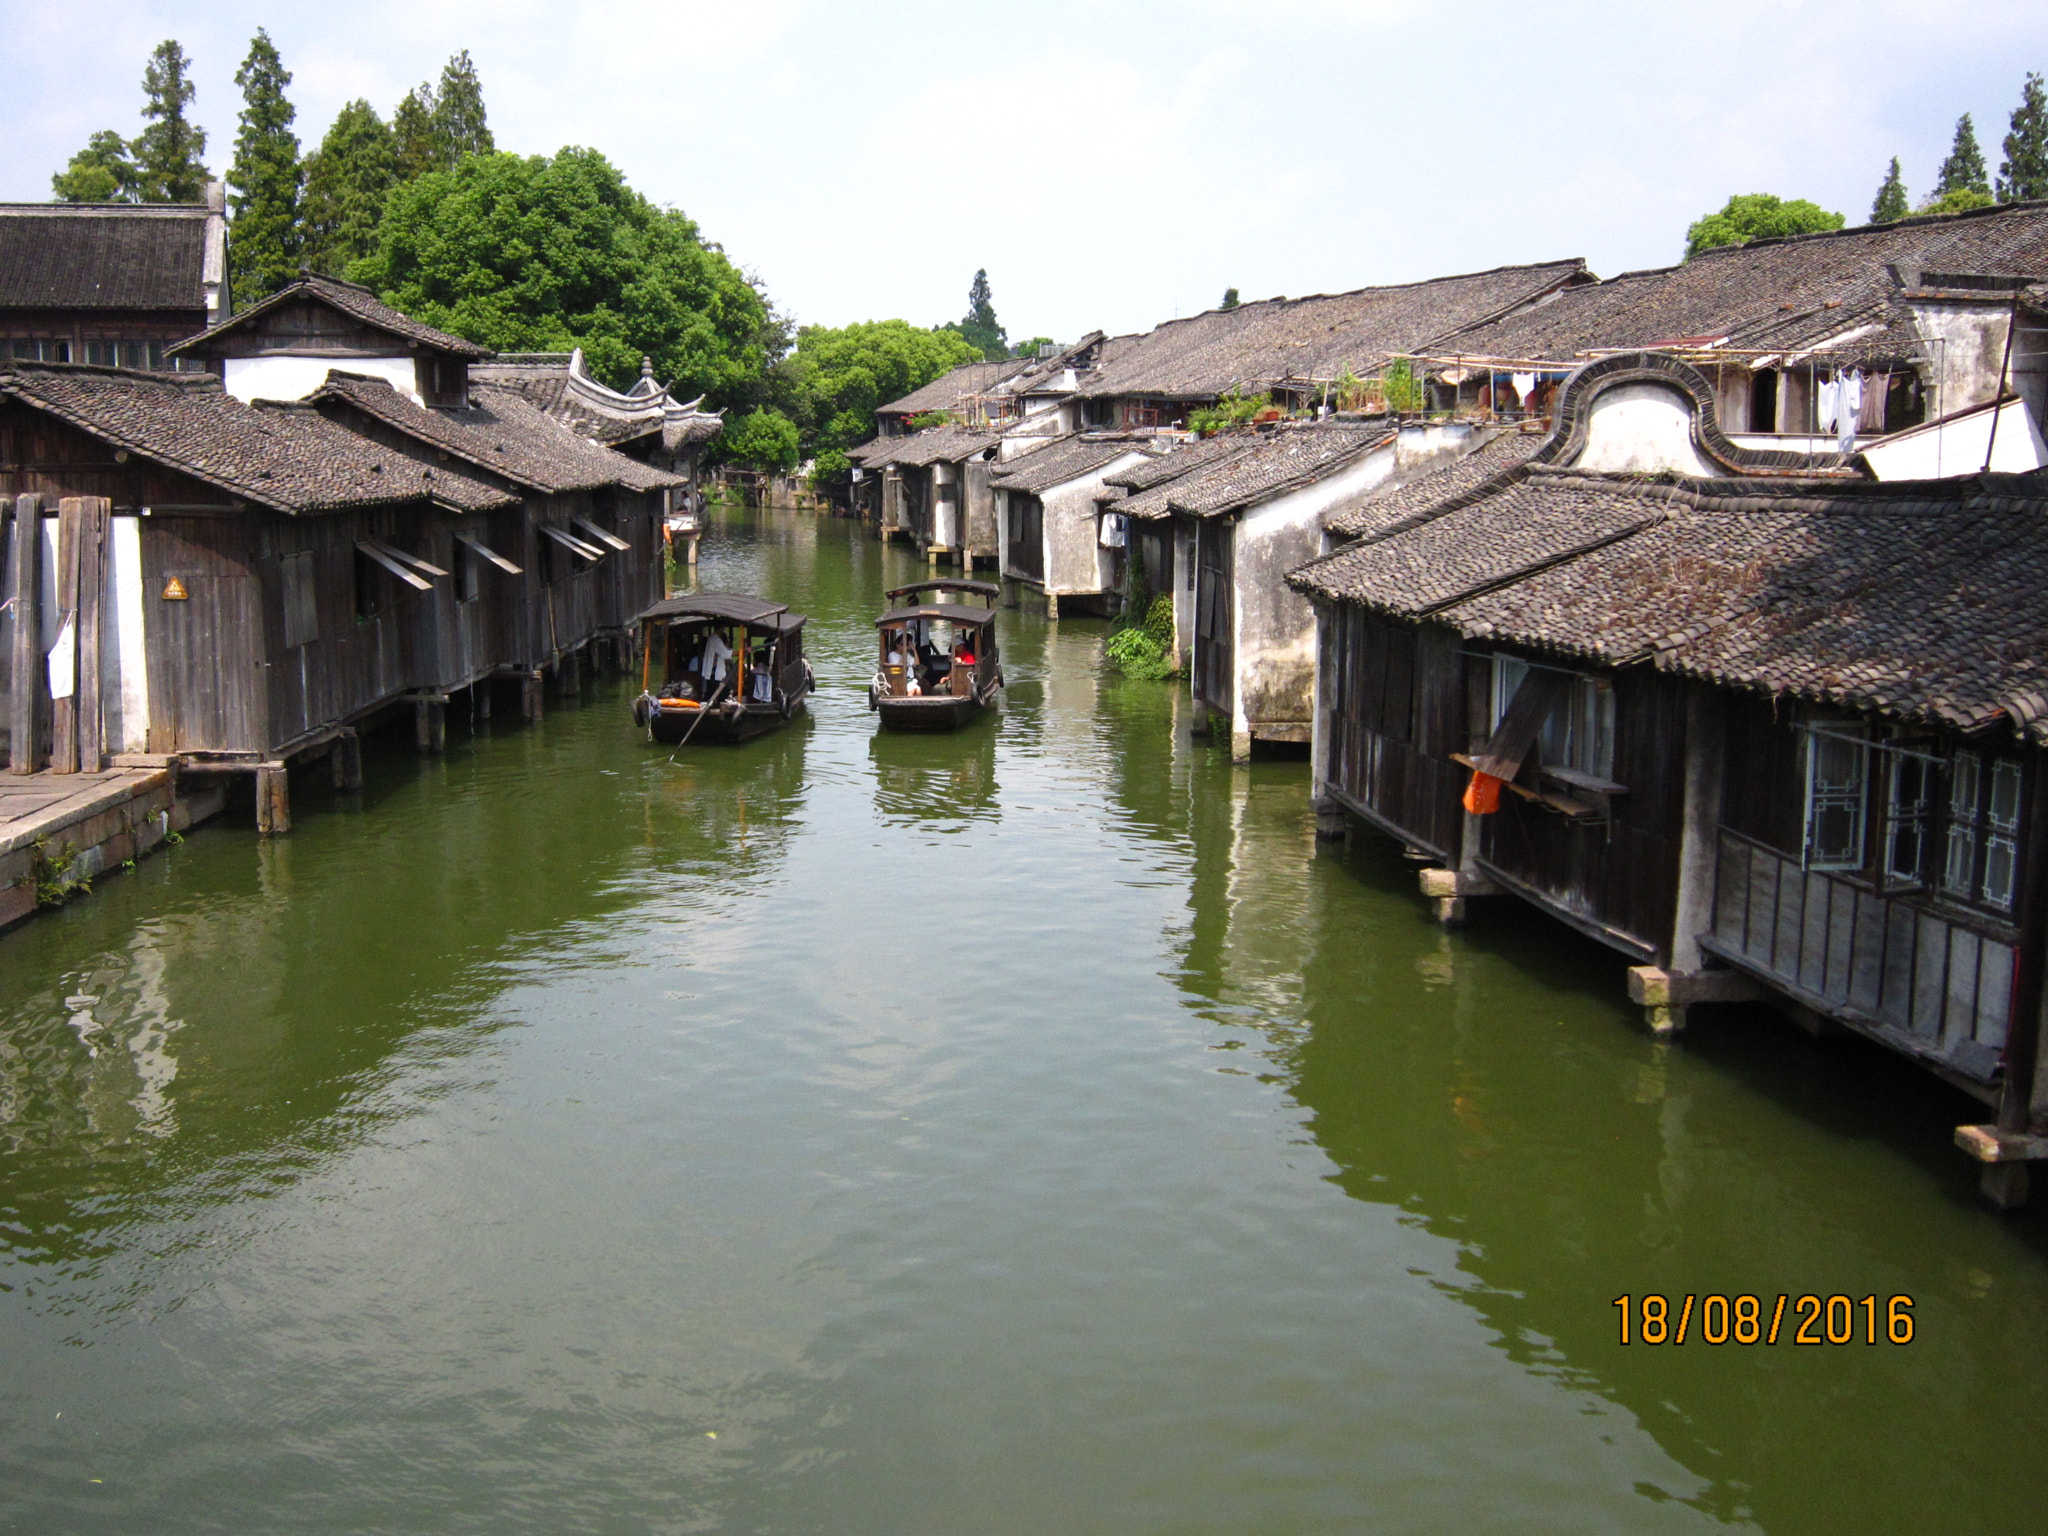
[1114, 165]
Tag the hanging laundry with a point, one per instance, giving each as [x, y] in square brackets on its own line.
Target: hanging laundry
[1525, 386]
[1827, 405]
[1851, 405]
[1877, 387]
[1111, 535]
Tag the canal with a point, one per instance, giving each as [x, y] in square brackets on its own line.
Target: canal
[1032, 1130]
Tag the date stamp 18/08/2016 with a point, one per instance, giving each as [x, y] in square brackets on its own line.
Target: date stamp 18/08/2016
[1809, 1319]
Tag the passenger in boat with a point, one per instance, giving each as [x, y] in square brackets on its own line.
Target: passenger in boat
[716, 659]
[963, 652]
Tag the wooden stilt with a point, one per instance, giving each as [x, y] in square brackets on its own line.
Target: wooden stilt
[64, 711]
[430, 723]
[345, 762]
[273, 800]
[531, 706]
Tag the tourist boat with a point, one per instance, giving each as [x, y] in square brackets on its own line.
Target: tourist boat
[938, 661]
[719, 666]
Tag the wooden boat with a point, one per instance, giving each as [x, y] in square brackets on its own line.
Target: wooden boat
[939, 666]
[719, 666]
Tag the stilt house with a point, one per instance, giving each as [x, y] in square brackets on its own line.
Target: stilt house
[1758, 722]
[1053, 536]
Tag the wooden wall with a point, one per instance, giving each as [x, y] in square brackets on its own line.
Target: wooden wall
[1399, 712]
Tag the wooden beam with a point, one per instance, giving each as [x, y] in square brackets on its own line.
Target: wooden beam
[64, 711]
[25, 598]
[94, 514]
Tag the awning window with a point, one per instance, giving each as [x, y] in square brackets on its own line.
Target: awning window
[570, 542]
[396, 564]
[479, 548]
[599, 534]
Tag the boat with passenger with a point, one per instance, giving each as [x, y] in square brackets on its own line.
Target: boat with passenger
[719, 666]
[939, 666]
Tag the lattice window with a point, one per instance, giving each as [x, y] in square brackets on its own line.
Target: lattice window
[1837, 783]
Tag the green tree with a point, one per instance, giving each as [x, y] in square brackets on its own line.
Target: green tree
[347, 180]
[1961, 200]
[1757, 216]
[265, 178]
[1029, 348]
[761, 439]
[1963, 170]
[1891, 201]
[101, 172]
[416, 146]
[1230, 299]
[980, 326]
[541, 255]
[169, 164]
[2023, 174]
[458, 112]
[837, 376]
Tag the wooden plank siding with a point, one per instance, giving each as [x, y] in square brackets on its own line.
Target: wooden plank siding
[1931, 982]
[1391, 736]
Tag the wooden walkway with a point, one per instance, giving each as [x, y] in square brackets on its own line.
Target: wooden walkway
[59, 830]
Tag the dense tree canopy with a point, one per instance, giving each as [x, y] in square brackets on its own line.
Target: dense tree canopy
[979, 326]
[538, 254]
[347, 180]
[2023, 174]
[169, 153]
[1891, 201]
[1963, 170]
[264, 180]
[760, 439]
[1757, 216]
[163, 164]
[837, 376]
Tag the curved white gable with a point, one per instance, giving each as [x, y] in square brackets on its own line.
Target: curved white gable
[1642, 427]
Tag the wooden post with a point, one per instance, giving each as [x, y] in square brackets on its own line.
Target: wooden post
[1706, 754]
[480, 699]
[64, 711]
[531, 706]
[25, 715]
[430, 723]
[345, 762]
[273, 800]
[93, 515]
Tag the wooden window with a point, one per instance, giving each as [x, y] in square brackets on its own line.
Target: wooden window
[1837, 781]
[1983, 830]
[301, 611]
[1578, 732]
[1908, 819]
[369, 588]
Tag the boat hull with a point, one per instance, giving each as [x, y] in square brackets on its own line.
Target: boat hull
[930, 713]
[671, 727]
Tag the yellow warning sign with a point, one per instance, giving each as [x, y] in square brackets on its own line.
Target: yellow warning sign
[174, 591]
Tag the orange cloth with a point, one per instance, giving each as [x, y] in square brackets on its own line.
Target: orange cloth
[1482, 795]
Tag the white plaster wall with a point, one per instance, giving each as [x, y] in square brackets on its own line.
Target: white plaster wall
[1965, 348]
[124, 657]
[1640, 428]
[1273, 627]
[294, 378]
[945, 513]
[1071, 562]
[1958, 447]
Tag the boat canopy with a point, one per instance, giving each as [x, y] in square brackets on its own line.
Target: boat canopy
[989, 589]
[734, 607]
[955, 613]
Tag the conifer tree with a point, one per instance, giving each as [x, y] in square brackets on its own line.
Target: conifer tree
[1963, 170]
[1891, 197]
[102, 172]
[458, 113]
[980, 326]
[2023, 175]
[263, 240]
[415, 145]
[1230, 299]
[168, 154]
[347, 179]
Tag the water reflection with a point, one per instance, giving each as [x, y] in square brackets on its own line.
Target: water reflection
[939, 779]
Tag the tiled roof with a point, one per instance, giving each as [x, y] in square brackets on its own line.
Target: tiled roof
[1396, 505]
[558, 384]
[359, 303]
[943, 445]
[278, 457]
[1058, 462]
[1926, 600]
[951, 387]
[1183, 459]
[1795, 292]
[102, 256]
[1255, 346]
[1277, 461]
[501, 431]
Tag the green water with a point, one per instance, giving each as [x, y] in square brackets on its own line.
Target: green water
[1031, 1130]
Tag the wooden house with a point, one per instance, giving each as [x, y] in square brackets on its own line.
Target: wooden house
[249, 583]
[1760, 723]
[1933, 313]
[1230, 516]
[282, 347]
[109, 283]
[585, 536]
[1052, 533]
